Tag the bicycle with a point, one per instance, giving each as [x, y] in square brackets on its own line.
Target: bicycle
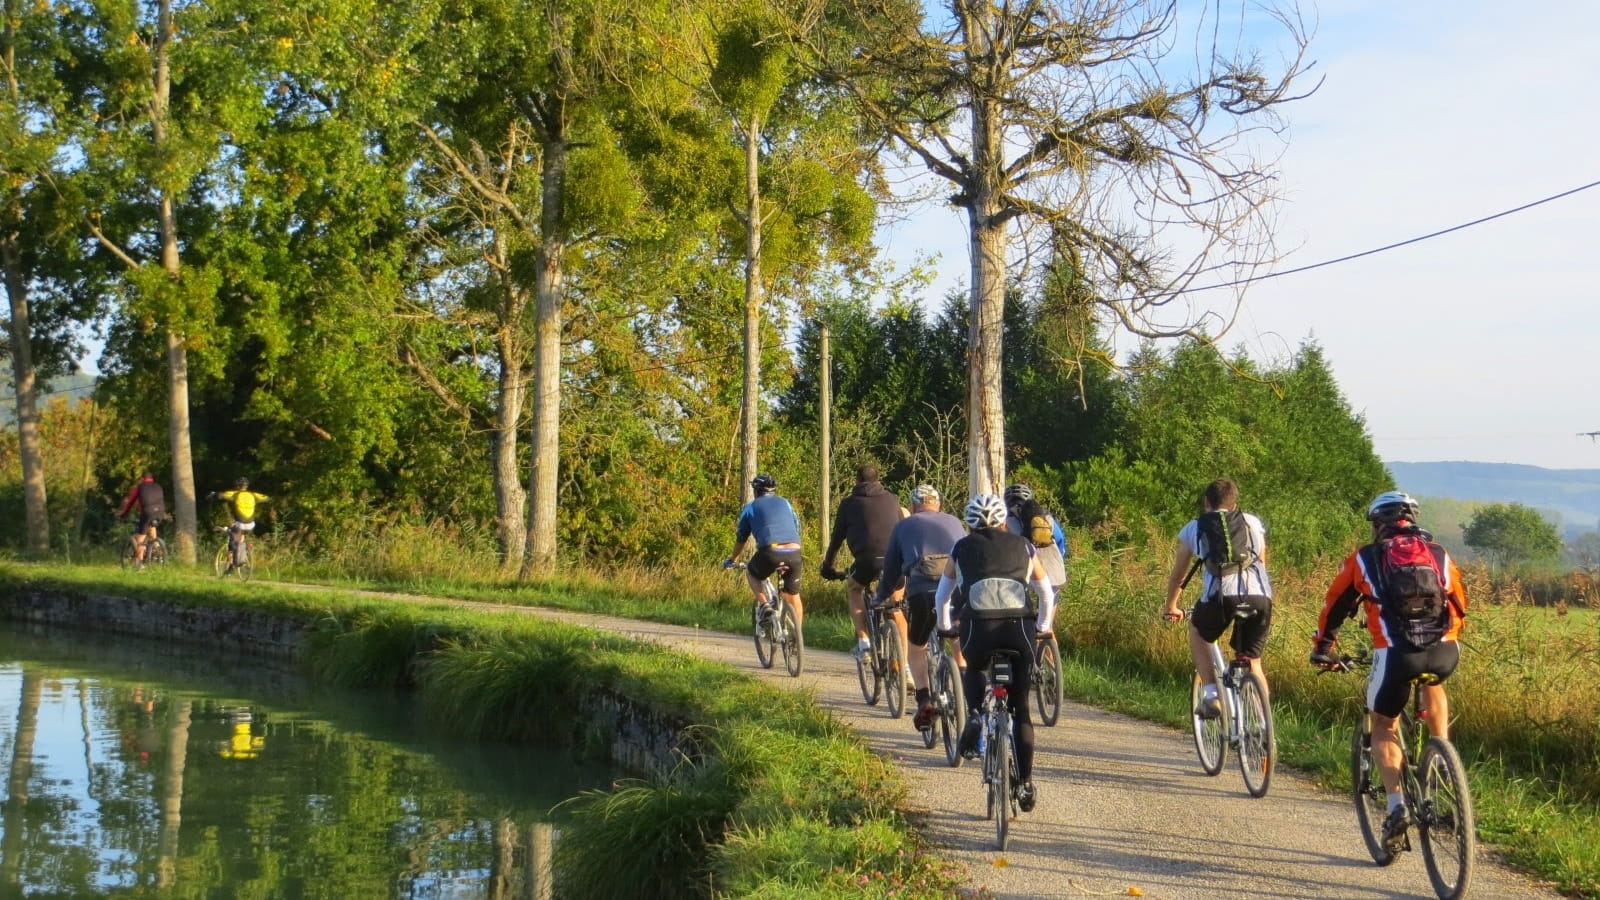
[1047, 678]
[950, 705]
[773, 626]
[1434, 782]
[234, 557]
[884, 663]
[155, 552]
[1245, 724]
[997, 746]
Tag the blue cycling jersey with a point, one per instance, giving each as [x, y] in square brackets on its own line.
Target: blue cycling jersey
[771, 519]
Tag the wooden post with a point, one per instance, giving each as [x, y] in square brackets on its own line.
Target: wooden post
[826, 413]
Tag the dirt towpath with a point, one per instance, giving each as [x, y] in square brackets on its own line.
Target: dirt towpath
[1122, 803]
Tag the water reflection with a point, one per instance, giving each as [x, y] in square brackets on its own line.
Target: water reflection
[149, 773]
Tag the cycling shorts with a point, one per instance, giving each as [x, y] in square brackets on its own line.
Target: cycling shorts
[1389, 687]
[147, 520]
[1251, 618]
[866, 569]
[244, 526]
[766, 560]
[920, 618]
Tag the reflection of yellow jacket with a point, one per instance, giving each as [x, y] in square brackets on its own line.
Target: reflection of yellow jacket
[242, 503]
[242, 744]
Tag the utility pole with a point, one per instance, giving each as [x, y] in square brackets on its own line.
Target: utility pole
[826, 413]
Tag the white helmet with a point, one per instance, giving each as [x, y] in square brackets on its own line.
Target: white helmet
[985, 511]
[1391, 505]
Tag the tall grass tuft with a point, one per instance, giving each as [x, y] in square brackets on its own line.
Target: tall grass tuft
[647, 838]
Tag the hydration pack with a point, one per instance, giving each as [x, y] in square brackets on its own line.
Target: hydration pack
[1410, 585]
[1225, 542]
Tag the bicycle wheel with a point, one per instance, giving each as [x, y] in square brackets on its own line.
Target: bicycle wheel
[129, 555]
[221, 562]
[1372, 805]
[1258, 746]
[1047, 682]
[1445, 820]
[894, 670]
[1209, 742]
[794, 644]
[952, 709]
[1000, 787]
[156, 552]
[766, 643]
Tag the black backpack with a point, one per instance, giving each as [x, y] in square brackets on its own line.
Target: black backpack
[1225, 542]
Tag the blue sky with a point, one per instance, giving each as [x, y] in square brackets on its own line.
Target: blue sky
[1477, 345]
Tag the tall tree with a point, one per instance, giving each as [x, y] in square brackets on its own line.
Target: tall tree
[1075, 118]
[150, 153]
[35, 116]
[802, 204]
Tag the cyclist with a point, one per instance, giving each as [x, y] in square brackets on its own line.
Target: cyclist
[1226, 590]
[1026, 517]
[242, 507]
[919, 549]
[1414, 610]
[863, 522]
[771, 522]
[989, 573]
[152, 503]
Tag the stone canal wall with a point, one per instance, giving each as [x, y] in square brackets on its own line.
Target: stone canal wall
[639, 739]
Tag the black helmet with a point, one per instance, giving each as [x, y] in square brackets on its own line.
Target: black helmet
[242, 483]
[1018, 493]
[764, 484]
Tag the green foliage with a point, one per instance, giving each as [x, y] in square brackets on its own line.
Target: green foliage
[1510, 533]
[1302, 459]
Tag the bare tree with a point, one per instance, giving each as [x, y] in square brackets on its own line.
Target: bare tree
[1128, 165]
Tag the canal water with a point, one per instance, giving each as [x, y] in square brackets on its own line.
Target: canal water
[139, 769]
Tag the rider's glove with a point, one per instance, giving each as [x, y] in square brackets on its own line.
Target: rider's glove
[727, 563]
[830, 573]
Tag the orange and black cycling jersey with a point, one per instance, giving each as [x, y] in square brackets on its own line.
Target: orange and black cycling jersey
[1353, 587]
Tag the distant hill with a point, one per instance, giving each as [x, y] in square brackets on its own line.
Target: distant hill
[1574, 494]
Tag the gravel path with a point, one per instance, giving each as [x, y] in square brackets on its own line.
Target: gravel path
[1123, 807]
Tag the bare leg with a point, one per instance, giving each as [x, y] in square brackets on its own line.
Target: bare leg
[1200, 650]
[856, 595]
[1436, 710]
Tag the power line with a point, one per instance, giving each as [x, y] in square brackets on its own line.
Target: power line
[1444, 231]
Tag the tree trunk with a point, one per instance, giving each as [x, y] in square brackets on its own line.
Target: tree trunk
[15, 810]
[986, 441]
[511, 524]
[35, 511]
[545, 447]
[183, 491]
[749, 418]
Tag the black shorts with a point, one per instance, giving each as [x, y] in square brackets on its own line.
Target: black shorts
[865, 570]
[1251, 618]
[766, 561]
[148, 520]
[920, 618]
[1389, 687]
